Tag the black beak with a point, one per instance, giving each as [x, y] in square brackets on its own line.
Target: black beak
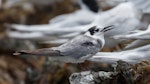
[107, 28]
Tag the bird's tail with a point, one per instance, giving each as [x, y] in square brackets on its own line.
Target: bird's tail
[39, 52]
[24, 52]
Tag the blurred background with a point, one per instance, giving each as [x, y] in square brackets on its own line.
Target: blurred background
[35, 24]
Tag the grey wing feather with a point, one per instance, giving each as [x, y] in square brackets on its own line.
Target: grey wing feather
[78, 47]
[40, 52]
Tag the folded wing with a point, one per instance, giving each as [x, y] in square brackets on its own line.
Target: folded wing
[39, 52]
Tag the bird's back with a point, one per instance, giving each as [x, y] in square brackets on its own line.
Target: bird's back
[80, 46]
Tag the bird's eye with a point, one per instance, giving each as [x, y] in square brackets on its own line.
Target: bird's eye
[96, 30]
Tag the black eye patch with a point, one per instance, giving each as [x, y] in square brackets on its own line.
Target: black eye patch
[97, 30]
[92, 30]
[92, 5]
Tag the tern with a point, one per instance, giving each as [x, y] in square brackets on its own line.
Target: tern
[76, 50]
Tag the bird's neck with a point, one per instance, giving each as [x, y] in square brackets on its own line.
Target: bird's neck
[97, 37]
[102, 40]
[89, 5]
[83, 6]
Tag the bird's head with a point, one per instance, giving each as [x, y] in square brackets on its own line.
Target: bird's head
[97, 32]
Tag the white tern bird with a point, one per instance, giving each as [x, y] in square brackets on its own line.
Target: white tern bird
[77, 50]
